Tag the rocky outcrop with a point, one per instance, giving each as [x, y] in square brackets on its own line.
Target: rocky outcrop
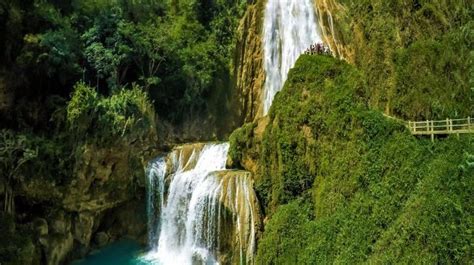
[103, 201]
[241, 219]
[330, 14]
[245, 144]
[248, 69]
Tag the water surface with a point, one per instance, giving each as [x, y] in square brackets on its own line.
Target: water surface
[124, 252]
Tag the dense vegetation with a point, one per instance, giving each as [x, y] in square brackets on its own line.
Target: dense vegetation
[178, 51]
[338, 181]
[344, 184]
[412, 53]
[103, 77]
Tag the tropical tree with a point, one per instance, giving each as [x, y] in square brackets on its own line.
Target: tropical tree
[14, 154]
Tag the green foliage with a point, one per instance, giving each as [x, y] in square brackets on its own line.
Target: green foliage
[379, 195]
[27, 155]
[15, 151]
[239, 142]
[127, 114]
[424, 71]
[61, 53]
[415, 55]
[286, 235]
[289, 151]
[181, 57]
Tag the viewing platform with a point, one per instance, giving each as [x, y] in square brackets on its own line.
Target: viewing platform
[441, 127]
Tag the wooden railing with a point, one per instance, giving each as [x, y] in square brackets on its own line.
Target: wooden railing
[448, 126]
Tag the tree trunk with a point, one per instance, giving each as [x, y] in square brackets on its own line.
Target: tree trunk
[9, 201]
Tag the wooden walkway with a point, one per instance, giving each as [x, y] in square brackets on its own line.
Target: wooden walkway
[441, 127]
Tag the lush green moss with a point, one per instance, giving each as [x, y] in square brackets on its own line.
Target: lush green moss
[316, 98]
[239, 142]
[286, 235]
[379, 194]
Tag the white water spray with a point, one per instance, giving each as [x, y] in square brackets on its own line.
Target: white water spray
[290, 27]
[204, 210]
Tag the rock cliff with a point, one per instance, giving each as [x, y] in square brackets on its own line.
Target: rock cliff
[248, 69]
[102, 202]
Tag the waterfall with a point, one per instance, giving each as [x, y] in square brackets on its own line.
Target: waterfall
[290, 27]
[205, 214]
[155, 172]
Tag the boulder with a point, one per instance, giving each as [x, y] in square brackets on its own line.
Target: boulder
[101, 239]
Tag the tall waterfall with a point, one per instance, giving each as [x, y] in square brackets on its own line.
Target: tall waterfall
[290, 27]
[198, 212]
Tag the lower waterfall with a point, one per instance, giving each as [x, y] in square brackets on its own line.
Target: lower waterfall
[198, 212]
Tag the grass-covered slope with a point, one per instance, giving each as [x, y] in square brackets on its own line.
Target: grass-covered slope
[341, 183]
[416, 55]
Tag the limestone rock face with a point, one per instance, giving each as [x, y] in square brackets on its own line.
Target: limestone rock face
[57, 247]
[101, 239]
[249, 72]
[241, 220]
[60, 223]
[246, 145]
[102, 202]
[83, 225]
[101, 173]
[331, 15]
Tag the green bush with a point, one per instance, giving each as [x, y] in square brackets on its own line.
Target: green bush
[239, 142]
[126, 114]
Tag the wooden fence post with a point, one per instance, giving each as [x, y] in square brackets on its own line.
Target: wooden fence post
[432, 131]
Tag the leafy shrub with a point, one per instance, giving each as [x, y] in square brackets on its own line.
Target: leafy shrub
[239, 141]
[126, 114]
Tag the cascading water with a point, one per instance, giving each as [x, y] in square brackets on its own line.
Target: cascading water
[200, 213]
[156, 172]
[290, 27]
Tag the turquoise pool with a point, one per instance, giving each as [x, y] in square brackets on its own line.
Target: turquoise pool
[124, 252]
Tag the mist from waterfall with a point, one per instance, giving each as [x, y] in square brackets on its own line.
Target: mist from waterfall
[197, 209]
[290, 27]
